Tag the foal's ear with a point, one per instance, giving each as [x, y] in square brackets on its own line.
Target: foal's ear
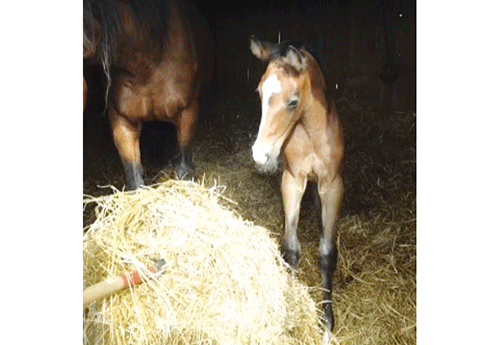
[295, 58]
[261, 49]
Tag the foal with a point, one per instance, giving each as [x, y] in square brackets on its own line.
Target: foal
[299, 121]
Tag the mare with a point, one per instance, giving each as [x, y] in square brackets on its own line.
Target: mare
[158, 57]
[301, 122]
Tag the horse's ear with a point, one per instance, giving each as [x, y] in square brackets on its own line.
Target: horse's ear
[295, 58]
[261, 49]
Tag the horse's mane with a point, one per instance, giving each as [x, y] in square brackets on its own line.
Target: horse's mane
[281, 49]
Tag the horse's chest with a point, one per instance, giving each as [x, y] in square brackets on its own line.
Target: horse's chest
[159, 100]
[304, 157]
[312, 167]
[302, 160]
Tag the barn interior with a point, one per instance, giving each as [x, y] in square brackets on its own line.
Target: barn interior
[367, 50]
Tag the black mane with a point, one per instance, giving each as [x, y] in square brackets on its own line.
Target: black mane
[281, 49]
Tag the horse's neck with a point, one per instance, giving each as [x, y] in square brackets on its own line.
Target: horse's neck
[317, 112]
[315, 117]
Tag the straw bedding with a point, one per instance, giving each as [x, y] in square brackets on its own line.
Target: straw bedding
[374, 290]
[224, 281]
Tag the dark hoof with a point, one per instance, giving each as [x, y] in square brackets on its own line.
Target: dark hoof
[134, 182]
[291, 257]
[133, 174]
[185, 172]
[134, 186]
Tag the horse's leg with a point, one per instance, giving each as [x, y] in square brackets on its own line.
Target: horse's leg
[126, 137]
[292, 190]
[330, 196]
[185, 131]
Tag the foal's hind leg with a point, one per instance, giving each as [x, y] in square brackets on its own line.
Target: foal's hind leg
[185, 131]
[292, 189]
[126, 137]
[330, 196]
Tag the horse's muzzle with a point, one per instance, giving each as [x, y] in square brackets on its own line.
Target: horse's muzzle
[264, 162]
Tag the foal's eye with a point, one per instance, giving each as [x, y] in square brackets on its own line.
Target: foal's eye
[293, 103]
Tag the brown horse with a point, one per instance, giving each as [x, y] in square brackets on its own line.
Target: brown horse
[157, 56]
[300, 121]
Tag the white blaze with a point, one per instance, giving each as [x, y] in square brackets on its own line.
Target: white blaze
[270, 86]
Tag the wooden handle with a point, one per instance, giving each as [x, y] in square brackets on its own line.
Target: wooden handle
[112, 285]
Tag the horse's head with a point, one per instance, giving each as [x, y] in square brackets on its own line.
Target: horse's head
[281, 90]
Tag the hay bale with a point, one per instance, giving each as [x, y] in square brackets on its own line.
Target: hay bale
[224, 280]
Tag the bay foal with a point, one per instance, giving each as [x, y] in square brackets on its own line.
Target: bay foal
[301, 122]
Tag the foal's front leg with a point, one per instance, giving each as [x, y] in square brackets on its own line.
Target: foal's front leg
[126, 136]
[292, 190]
[330, 195]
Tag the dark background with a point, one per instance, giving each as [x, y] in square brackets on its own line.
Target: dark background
[353, 39]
